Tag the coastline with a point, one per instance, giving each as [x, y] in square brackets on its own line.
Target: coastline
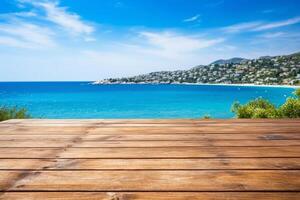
[207, 84]
[244, 85]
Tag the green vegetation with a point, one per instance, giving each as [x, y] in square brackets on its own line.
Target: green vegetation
[13, 113]
[206, 117]
[262, 108]
[277, 70]
[297, 93]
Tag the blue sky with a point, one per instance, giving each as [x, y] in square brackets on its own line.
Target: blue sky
[51, 40]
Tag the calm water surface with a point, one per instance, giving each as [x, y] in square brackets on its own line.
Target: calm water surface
[82, 100]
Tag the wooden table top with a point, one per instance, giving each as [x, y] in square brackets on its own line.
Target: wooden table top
[150, 159]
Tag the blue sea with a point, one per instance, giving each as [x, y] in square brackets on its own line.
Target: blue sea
[83, 100]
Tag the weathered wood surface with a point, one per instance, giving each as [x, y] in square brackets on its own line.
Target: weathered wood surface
[150, 159]
[151, 195]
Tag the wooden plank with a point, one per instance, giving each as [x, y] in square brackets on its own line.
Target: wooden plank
[125, 121]
[190, 143]
[229, 180]
[149, 124]
[146, 130]
[29, 152]
[36, 137]
[146, 164]
[150, 195]
[159, 152]
[147, 137]
[43, 130]
[287, 136]
[272, 143]
[88, 121]
[190, 130]
[177, 152]
[35, 143]
[26, 164]
[150, 155]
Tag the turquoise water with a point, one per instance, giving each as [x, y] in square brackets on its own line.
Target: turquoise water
[82, 100]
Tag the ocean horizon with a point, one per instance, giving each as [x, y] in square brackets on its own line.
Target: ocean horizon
[78, 100]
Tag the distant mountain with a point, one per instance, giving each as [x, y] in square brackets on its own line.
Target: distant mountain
[265, 57]
[275, 70]
[229, 61]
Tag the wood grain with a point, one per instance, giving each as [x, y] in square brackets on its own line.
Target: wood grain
[150, 195]
[146, 164]
[159, 152]
[142, 137]
[156, 143]
[150, 159]
[189, 180]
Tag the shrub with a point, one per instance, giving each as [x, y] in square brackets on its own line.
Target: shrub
[258, 108]
[261, 108]
[291, 108]
[297, 92]
[206, 117]
[13, 113]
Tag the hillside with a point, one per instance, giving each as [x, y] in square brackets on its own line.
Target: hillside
[229, 61]
[284, 69]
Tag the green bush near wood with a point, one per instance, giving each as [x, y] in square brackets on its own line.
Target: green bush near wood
[291, 108]
[206, 117]
[13, 113]
[297, 93]
[262, 108]
[258, 108]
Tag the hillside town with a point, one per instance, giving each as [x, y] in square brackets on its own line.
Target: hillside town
[277, 70]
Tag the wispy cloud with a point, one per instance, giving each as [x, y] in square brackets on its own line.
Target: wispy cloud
[39, 26]
[13, 42]
[18, 14]
[26, 35]
[247, 26]
[71, 22]
[192, 19]
[279, 35]
[273, 35]
[172, 44]
[278, 24]
[152, 50]
[260, 26]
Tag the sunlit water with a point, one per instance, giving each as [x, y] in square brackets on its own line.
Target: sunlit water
[82, 100]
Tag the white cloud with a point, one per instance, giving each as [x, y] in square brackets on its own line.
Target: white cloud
[38, 27]
[173, 44]
[278, 24]
[273, 35]
[26, 35]
[69, 21]
[18, 14]
[13, 42]
[280, 35]
[259, 26]
[60, 16]
[241, 27]
[191, 19]
[151, 51]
